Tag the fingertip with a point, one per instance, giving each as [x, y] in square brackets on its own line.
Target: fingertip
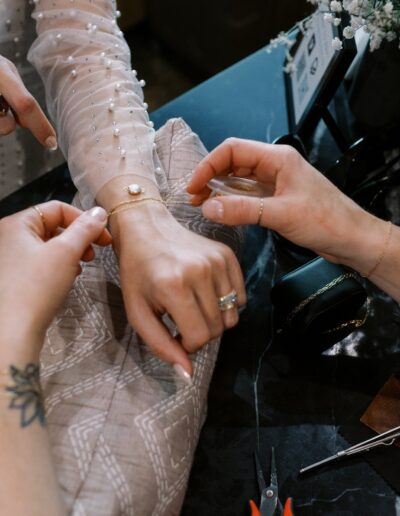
[213, 209]
[184, 372]
[51, 143]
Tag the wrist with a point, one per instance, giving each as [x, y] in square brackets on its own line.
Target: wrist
[362, 249]
[140, 220]
[116, 190]
[19, 346]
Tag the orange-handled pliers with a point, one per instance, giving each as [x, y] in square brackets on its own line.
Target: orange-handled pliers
[270, 504]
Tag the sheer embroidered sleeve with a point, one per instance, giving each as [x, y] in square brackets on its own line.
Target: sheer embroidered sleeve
[92, 94]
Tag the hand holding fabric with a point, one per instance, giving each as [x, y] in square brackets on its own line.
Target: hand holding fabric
[166, 269]
[39, 261]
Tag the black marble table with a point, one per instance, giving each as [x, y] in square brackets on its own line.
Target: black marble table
[260, 396]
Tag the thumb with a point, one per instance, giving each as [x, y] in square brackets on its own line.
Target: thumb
[82, 232]
[237, 209]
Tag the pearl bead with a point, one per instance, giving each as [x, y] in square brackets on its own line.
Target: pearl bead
[16, 39]
[142, 83]
[134, 189]
[118, 14]
[108, 64]
[40, 16]
[158, 169]
[154, 145]
[59, 37]
[134, 73]
[70, 59]
[150, 123]
[74, 73]
[145, 106]
[123, 153]
[111, 106]
[116, 132]
[117, 87]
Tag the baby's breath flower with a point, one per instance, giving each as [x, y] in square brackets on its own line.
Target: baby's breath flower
[337, 44]
[336, 6]
[348, 32]
[388, 8]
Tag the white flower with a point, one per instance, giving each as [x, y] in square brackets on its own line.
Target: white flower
[328, 17]
[356, 22]
[336, 6]
[348, 32]
[354, 8]
[290, 67]
[337, 44]
[388, 8]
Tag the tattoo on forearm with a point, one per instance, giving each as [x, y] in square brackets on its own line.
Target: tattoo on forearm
[26, 394]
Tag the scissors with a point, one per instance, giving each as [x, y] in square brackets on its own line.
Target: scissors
[270, 504]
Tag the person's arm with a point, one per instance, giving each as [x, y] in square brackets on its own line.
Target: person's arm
[104, 131]
[35, 276]
[305, 208]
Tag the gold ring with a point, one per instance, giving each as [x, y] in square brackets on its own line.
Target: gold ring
[261, 211]
[4, 106]
[41, 215]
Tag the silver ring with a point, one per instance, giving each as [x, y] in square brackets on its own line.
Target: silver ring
[228, 306]
[228, 301]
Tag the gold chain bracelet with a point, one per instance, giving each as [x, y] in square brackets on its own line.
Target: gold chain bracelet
[127, 205]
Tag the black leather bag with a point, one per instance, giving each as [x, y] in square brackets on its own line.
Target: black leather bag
[317, 305]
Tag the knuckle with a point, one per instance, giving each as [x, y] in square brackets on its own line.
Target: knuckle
[232, 141]
[25, 104]
[199, 339]
[289, 152]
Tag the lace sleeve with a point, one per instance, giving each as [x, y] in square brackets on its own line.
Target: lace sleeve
[92, 94]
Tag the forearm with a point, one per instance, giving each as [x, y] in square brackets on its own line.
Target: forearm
[28, 482]
[93, 95]
[373, 250]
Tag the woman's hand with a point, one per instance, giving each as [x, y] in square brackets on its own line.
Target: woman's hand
[37, 269]
[25, 111]
[166, 269]
[305, 207]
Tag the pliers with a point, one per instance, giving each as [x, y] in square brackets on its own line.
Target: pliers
[270, 504]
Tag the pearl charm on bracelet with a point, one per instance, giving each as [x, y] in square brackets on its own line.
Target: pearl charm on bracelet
[134, 189]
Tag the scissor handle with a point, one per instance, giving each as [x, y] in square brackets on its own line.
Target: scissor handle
[254, 509]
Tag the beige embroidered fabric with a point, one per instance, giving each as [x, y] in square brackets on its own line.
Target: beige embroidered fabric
[122, 426]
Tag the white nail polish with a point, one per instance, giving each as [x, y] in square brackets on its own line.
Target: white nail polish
[98, 213]
[183, 374]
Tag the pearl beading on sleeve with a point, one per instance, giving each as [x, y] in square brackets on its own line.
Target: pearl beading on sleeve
[92, 94]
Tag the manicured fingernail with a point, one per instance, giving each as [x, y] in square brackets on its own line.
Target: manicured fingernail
[213, 210]
[98, 213]
[183, 374]
[51, 143]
